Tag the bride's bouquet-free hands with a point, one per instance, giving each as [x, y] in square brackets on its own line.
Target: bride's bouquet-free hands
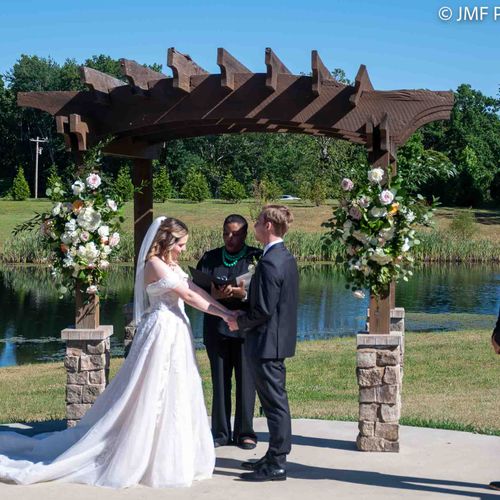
[232, 322]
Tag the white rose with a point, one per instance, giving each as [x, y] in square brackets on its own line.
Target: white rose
[386, 197]
[406, 245]
[387, 234]
[410, 216]
[78, 187]
[363, 202]
[89, 219]
[378, 212]
[103, 231]
[93, 181]
[106, 249]
[70, 226]
[56, 209]
[68, 261]
[66, 238]
[380, 257]
[91, 290]
[359, 294]
[360, 236]
[112, 205]
[85, 236]
[375, 175]
[104, 264]
[114, 239]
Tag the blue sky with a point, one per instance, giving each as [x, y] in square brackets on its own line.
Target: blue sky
[403, 43]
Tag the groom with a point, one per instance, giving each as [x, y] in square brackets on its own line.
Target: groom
[271, 327]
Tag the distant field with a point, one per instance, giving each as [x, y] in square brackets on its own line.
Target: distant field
[210, 214]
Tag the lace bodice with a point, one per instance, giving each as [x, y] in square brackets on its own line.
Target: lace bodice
[161, 292]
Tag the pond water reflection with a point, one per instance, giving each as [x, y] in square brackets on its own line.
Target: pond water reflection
[32, 316]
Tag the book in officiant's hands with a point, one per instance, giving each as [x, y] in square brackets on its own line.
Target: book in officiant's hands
[205, 280]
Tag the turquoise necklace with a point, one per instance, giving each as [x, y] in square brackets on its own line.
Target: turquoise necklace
[231, 260]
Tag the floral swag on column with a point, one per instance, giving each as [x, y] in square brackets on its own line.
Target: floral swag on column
[82, 231]
[375, 225]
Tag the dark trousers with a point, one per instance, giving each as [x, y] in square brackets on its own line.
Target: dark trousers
[226, 355]
[270, 381]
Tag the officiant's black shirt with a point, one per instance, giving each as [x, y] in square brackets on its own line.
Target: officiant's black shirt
[211, 263]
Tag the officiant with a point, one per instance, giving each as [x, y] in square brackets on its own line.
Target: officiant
[225, 350]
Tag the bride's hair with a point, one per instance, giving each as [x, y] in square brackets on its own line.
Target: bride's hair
[169, 233]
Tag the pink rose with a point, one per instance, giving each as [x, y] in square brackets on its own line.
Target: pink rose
[386, 197]
[347, 184]
[93, 181]
[355, 213]
[114, 239]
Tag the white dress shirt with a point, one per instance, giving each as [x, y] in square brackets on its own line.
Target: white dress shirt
[272, 243]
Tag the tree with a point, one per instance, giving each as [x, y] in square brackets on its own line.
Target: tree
[20, 189]
[162, 187]
[124, 185]
[53, 180]
[231, 189]
[196, 187]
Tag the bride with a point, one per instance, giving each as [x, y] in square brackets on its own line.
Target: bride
[150, 425]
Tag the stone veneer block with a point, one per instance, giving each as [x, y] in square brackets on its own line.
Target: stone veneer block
[368, 377]
[366, 358]
[87, 368]
[379, 390]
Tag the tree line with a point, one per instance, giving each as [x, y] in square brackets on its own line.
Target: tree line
[457, 160]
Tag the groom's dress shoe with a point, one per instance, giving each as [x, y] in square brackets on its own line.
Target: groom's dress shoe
[266, 472]
[254, 465]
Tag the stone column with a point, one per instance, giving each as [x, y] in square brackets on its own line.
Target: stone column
[379, 368]
[87, 367]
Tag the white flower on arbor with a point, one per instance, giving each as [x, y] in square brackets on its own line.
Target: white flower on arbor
[93, 181]
[89, 219]
[376, 175]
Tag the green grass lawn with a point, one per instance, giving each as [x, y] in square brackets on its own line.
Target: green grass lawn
[210, 214]
[450, 381]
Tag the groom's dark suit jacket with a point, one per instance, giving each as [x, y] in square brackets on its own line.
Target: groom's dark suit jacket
[271, 322]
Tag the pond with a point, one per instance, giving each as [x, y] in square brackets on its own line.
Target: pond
[437, 298]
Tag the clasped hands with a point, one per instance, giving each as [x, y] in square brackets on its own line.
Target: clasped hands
[228, 292]
[231, 320]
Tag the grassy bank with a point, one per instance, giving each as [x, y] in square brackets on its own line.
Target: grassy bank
[304, 240]
[450, 381]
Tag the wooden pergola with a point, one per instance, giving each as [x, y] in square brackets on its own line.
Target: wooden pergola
[153, 108]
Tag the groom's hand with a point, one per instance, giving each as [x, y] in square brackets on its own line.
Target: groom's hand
[232, 324]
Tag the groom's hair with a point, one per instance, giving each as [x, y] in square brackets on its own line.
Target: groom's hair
[279, 216]
[239, 219]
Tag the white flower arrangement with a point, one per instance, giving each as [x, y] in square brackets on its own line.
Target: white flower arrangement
[82, 229]
[375, 223]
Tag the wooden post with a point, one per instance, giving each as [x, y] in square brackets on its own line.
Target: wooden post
[380, 307]
[143, 201]
[87, 308]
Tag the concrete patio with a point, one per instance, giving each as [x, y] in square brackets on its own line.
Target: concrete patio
[325, 464]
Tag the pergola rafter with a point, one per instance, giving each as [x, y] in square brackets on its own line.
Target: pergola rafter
[151, 108]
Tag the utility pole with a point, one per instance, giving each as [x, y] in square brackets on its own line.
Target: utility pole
[37, 154]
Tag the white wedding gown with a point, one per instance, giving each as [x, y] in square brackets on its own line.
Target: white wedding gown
[149, 426]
